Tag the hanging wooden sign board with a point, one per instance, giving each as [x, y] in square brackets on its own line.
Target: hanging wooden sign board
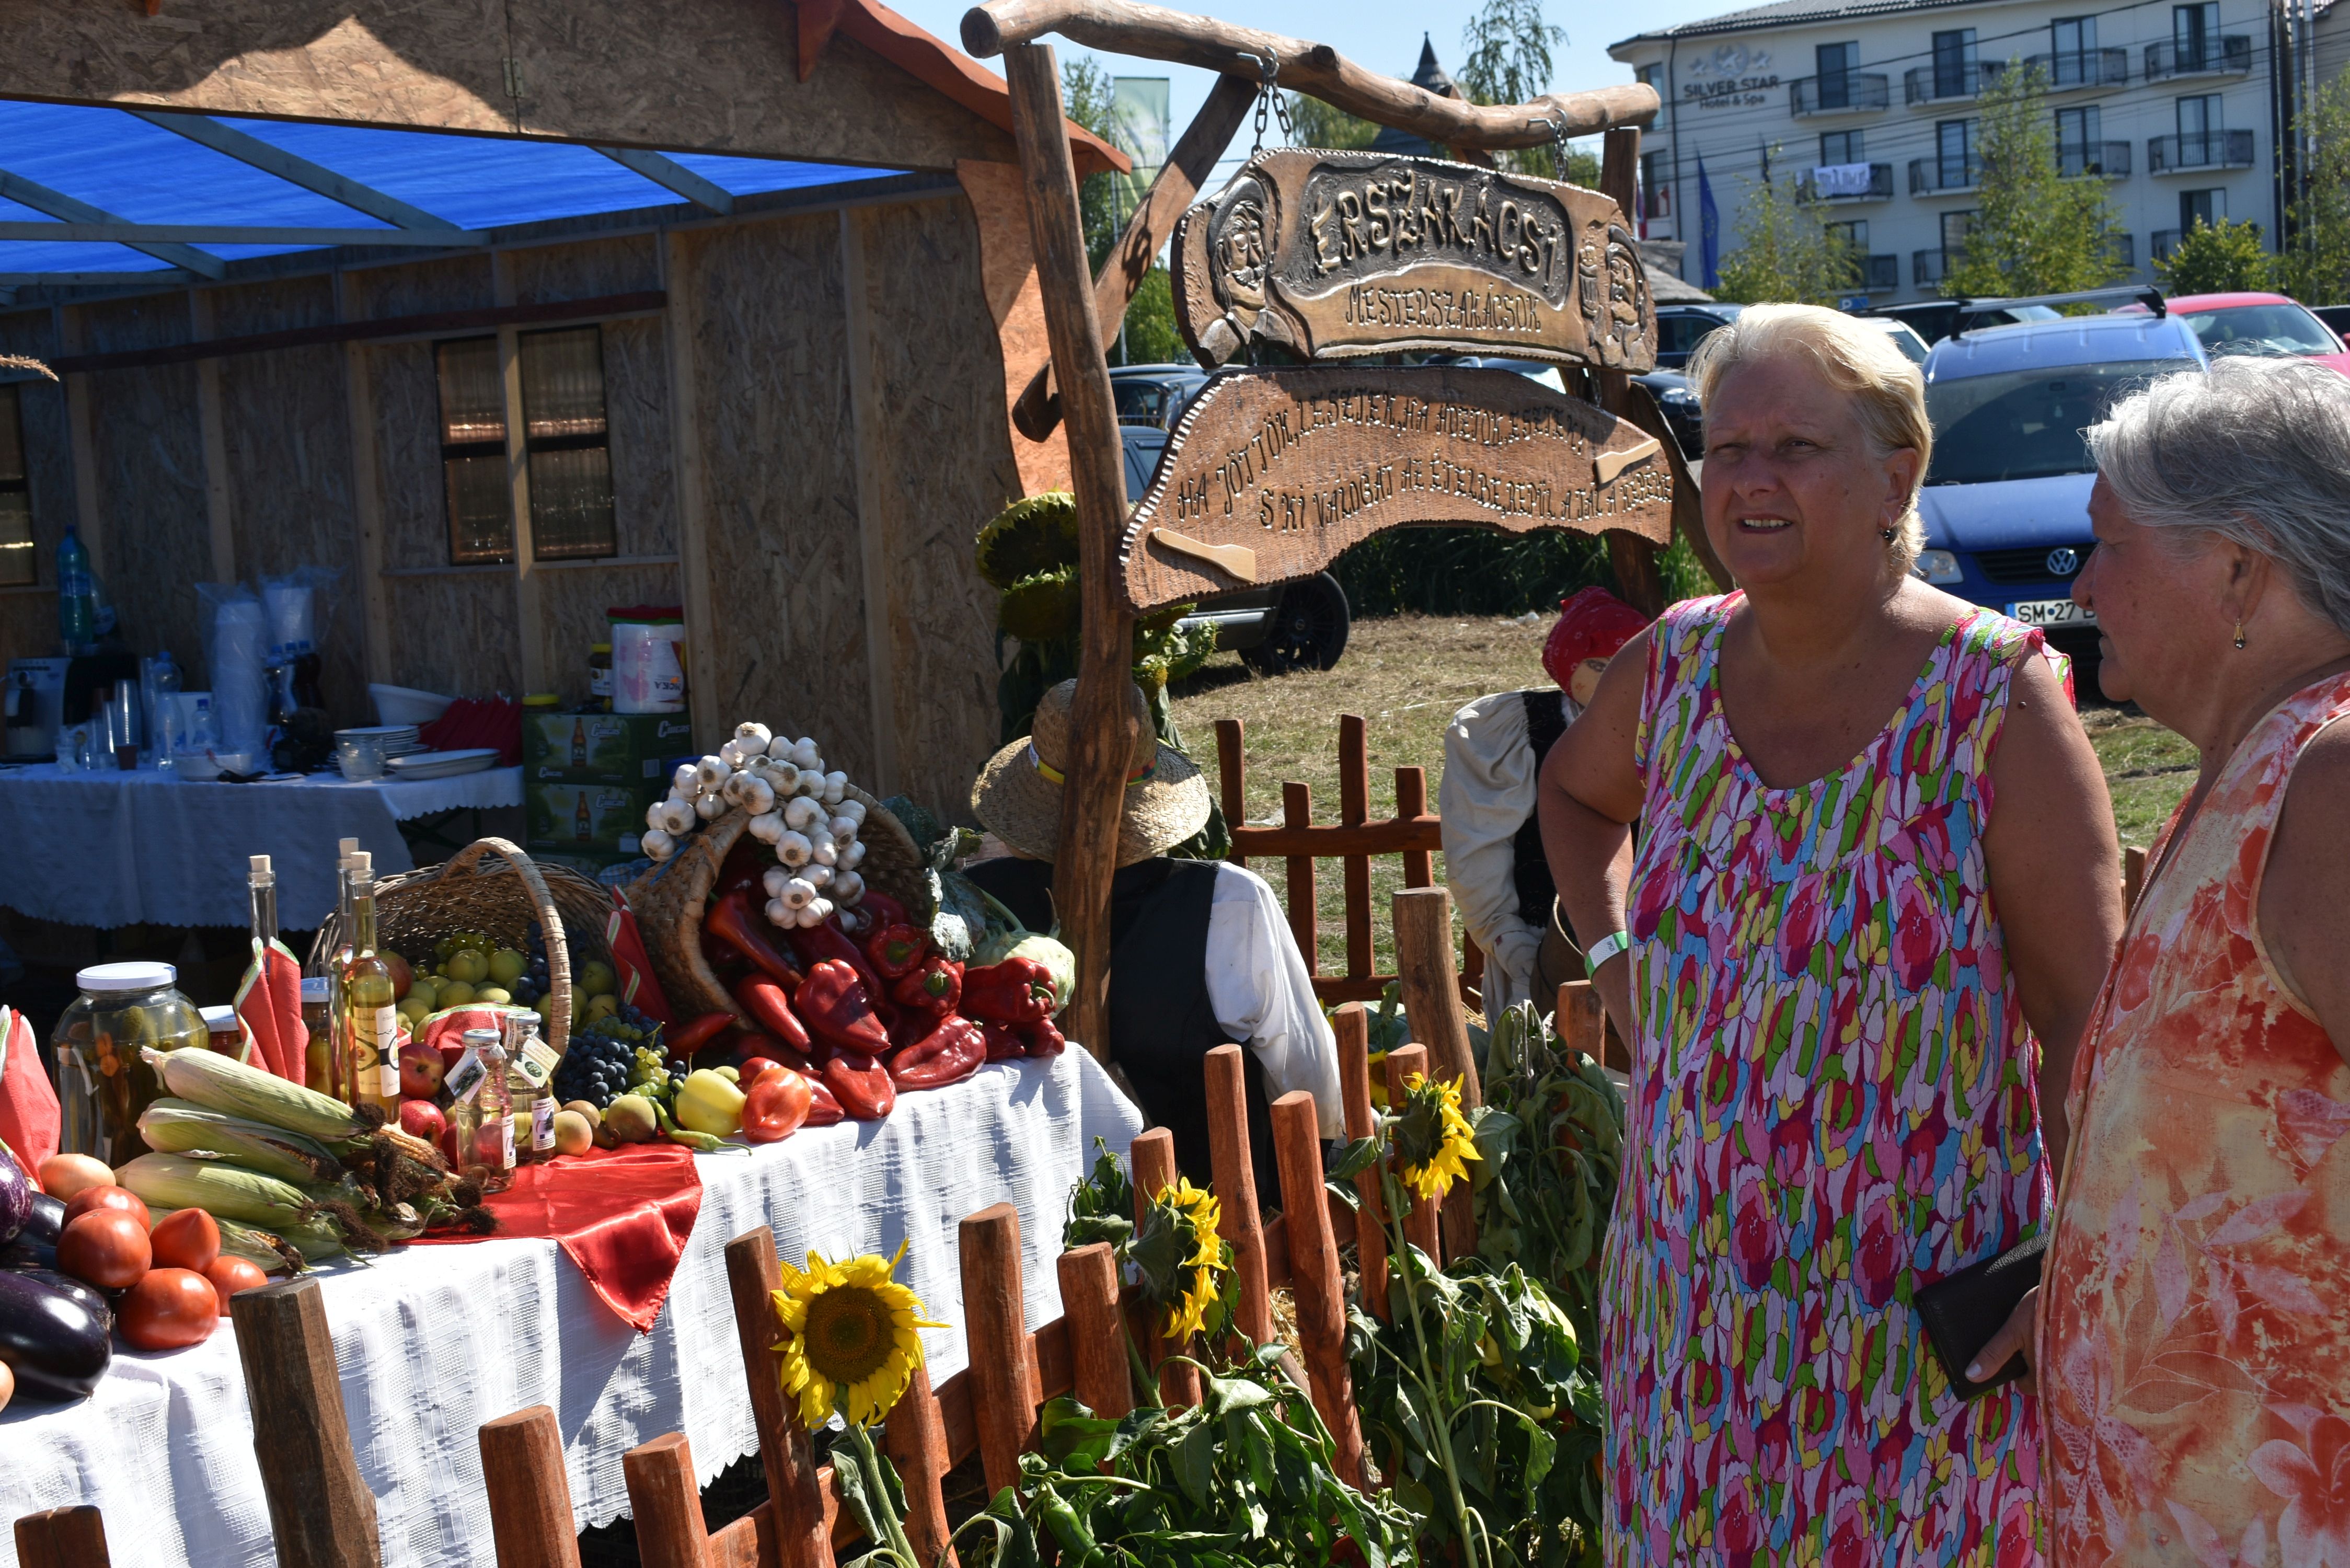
[1271, 473]
[1335, 256]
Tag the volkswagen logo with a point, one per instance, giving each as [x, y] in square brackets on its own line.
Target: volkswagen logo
[2063, 561]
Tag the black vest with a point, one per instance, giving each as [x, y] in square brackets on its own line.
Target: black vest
[1545, 722]
[1161, 1023]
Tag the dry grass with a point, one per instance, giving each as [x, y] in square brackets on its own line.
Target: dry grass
[2147, 768]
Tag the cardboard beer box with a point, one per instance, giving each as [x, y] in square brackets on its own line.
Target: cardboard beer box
[603, 748]
[587, 818]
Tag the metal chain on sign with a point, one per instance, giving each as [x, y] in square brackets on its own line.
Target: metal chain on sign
[1558, 144]
[1269, 101]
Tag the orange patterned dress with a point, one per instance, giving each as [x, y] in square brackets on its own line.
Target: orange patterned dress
[2195, 1324]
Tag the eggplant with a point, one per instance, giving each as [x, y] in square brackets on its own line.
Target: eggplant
[48, 1221]
[20, 1254]
[89, 1296]
[55, 1344]
[16, 1190]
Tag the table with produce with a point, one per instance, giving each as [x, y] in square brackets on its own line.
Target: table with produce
[510, 1118]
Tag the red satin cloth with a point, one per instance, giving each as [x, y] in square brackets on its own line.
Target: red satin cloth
[621, 1214]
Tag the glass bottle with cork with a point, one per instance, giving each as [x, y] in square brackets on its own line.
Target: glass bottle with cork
[370, 1021]
[338, 1049]
[481, 1109]
[530, 1084]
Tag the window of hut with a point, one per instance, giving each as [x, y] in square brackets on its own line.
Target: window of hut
[17, 562]
[568, 443]
[473, 450]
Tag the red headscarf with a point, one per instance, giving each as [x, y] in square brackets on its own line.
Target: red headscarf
[1592, 624]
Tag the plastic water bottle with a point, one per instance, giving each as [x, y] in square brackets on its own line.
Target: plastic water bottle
[77, 594]
[163, 738]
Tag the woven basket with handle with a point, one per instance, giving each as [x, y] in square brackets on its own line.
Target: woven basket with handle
[498, 897]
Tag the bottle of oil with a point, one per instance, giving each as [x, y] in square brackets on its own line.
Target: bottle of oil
[370, 1022]
[338, 1049]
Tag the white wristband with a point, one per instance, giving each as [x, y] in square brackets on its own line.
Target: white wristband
[1605, 948]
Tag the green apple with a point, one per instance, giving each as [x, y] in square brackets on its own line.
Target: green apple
[466, 965]
[506, 966]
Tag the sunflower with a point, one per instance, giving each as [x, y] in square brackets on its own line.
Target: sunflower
[1432, 1140]
[852, 1344]
[1182, 1257]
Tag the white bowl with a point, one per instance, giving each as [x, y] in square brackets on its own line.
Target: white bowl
[406, 704]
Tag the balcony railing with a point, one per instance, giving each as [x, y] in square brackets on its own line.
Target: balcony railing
[2076, 71]
[1942, 84]
[2094, 160]
[1854, 92]
[2165, 240]
[2198, 150]
[1944, 176]
[2231, 55]
[1880, 187]
[1927, 266]
[1878, 274]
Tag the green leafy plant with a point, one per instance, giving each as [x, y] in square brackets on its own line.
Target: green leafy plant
[2315, 259]
[1101, 1204]
[2035, 230]
[2217, 258]
[1785, 253]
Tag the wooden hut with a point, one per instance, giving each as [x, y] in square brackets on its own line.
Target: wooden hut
[804, 365]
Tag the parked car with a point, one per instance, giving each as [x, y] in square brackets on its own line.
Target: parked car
[1677, 397]
[2006, 499]
[1905, 336]
[1281, 627]
[2337, 316]
[1154, 395]
[1681, 328]
[2272, 326]
[1934, 319]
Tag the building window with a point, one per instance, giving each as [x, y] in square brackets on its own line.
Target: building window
[1954, 63]
[1955, 229]
[566, 443]
[1854, 235]
[2195, 34]
[1652, 75]
[2073, 62]
[1954, 146]
[2079, 146]
[2201, 207]
[1837, 63]
[1655, 192]
[1840, 147]
[18, 564]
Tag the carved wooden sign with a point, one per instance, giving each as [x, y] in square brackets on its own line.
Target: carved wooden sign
[1335, 256]
[1271, 473]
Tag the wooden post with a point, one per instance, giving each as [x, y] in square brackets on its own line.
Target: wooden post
[530, 1497]
[1411, 801]
[665, 1503]
[915, 1436]
[1633, 557]
[62, 1537]
[1103, 1381]
[1232, 777]
[219, 515]
[702, 696]
[1419, 1222]
[322, 1513]
[1228, 1148]
[792, 1492]
[1313, 1281]
[1297, 811]
[1353, 1026]
[1354, 810]
[1152, 1159]
[1101, 720]
[872, 515]
[367, 487]
[995, 1327]
[2133, 878]
[1431, 996]
[1581, 1020]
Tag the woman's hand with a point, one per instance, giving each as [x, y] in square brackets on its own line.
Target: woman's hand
[2016, 1336]
[1588, 792]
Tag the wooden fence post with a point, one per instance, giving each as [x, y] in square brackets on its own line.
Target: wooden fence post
[665, 1503]
[1411, 801]
[1232, 779]
[62, 1537]
[1152, 1158]
[1102, 1379]
[2133, 878]
[1419, 1223]
[1355, 811]
[916, 1439]
[1431, 1005]
[784, 1452]
[995, 1327]
[530, 1496]
[322, 1513]
[1313, 1279]
[1353, 1027]
[1235, 1180]
[1581, 1021]
[1297, 811]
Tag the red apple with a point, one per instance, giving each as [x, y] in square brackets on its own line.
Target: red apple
[402, 976]
[421, 1072]
[420, 1119]
[449, 1149]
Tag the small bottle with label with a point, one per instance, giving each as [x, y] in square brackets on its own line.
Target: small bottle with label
[599, 677]
[370, 1021]
[530, 1079]
[481, 1110]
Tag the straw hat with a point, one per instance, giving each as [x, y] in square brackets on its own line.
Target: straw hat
[1018, 794]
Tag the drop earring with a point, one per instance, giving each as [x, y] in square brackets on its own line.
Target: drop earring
[2240, 634]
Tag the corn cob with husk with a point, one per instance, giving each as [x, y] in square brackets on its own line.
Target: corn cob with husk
[229, 1191]
[271, 1253]
[181, 1126]
[218, 1083]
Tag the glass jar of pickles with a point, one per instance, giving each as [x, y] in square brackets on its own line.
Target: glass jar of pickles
[103, 1083]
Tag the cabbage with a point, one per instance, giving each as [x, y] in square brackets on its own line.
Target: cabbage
[1058, 960]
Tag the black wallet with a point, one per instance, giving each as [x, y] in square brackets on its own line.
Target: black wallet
[1962, 1310]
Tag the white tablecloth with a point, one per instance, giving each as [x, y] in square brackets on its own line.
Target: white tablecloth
[119, 849]
[434, 1341]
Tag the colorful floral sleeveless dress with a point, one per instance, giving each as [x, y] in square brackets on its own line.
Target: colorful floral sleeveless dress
[2195, 1314]
[1832, 1103]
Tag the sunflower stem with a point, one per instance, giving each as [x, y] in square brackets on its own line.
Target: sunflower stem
[877, 1489]
[1441, 1423]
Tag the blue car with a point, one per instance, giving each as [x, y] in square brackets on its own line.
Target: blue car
[2006, 501]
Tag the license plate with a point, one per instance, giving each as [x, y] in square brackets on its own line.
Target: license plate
[2050, 612]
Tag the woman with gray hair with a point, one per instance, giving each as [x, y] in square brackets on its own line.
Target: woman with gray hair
[2193, 1348]
[1876, 878]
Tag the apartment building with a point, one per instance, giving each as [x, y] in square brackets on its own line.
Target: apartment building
[1872, 106]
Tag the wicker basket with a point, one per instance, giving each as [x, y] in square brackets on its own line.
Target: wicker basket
[668, 900]
[500, 898]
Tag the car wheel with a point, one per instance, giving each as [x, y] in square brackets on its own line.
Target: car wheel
[1308, 630]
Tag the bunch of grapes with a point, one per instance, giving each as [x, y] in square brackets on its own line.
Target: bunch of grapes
[595, 1068]
[534, 982]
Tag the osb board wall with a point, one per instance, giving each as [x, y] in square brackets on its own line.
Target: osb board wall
[418, 288]
[408, 454]
[636, 409]
[945, 467]
[147, 449]
[28, 617]
[458, 632]
[571, 605]
[277, 306]
[584, 269]
[779, 481]
[1017, 302]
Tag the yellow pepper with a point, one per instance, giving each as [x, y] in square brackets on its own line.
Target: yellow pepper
[707, 1102]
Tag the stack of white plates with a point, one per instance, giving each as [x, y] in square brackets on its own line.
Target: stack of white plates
[395, 740]
[443, 765]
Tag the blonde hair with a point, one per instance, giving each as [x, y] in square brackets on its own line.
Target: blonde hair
[1885, 389]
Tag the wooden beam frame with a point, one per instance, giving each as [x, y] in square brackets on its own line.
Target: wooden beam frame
[213, 426]
[80, 215]
[245, 148]
[366, 489]
[161, 239]
[872, 521]
[670, 175]
[692, 509]
[528, 612]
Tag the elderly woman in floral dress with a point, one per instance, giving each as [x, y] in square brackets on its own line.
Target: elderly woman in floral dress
[1876, 877]
[2193, 1351]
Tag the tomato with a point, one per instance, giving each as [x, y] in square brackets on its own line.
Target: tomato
[776, 1105]
[171, 1309]
[187, 1239]
[108, 1196]
[229, 1276]
[64, 1175]
[108, 1249]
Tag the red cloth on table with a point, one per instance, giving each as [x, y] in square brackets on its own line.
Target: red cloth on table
[270, 1001]
[470, 723]
[28, 1102]
[621, 1214]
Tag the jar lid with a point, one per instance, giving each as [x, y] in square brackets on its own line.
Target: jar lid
[218, 1020]
[111, 978]
[314, 989]
[542, 699]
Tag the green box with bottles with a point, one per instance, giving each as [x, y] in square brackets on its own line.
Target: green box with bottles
[603, 748]
[587, 818]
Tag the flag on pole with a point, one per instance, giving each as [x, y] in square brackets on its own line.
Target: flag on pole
[1139, 128]
[1709, 230]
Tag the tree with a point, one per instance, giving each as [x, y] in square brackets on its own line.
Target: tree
[1150, 337]
[2034, 231]
[1325, 125]
[2217, 258]
[1508, 47]
[1785, 253]
[2315, 266]
[1085, 96]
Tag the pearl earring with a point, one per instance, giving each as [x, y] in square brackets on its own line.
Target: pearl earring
[1886, 535]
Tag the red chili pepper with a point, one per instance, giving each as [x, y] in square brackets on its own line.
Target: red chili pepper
[1003, 1043]
[698, 1034]
[935, 988]
[764, 999]
[835, 1005]
[896, 950]
[725, 960]
[826, 941]
[1041, 1038]
[948, 1054]
[823, 1109]
[860, 1084]
[730, 920]
[1016, 991]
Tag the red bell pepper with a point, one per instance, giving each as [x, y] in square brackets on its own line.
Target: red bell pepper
[860, 1084]
[935, 988]
[825, 941]
[1003, 1043]
[948, 1054]
[1016, 991]
[835, 1005]
[691, 1037]
[896, 950]
[886, 911]
[731, 921]
[764, 999]
[1041, 1038]
[823, 1109]
[775, 1104]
